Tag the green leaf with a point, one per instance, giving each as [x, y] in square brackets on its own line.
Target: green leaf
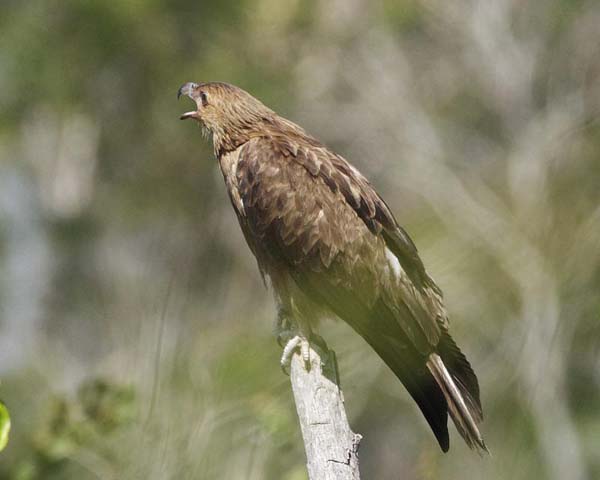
[4, 425]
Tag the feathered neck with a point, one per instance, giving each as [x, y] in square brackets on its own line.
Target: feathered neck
[232, 134]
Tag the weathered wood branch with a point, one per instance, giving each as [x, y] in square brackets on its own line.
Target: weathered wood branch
[331, 446]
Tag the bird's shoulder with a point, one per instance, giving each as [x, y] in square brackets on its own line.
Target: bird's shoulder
[298, 161]
[290, 207]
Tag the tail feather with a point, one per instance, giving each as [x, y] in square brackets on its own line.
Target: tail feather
[462, 373]
[420, 383]
[425, 391]
[463, 404]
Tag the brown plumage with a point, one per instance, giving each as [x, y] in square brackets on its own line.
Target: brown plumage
[328, 243]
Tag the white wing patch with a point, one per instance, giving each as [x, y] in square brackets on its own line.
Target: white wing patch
[394, 263]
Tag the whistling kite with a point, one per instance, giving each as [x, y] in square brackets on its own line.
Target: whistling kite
[330, 246]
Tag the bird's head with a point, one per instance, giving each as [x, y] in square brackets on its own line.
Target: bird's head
[227, 112]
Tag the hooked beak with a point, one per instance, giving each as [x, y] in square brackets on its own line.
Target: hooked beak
[188, 90]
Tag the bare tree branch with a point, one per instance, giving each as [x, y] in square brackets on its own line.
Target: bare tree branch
[331, 446]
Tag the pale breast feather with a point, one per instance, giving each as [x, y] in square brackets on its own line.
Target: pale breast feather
[228, 162]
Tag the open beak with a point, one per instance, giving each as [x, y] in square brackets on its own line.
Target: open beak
[188, 90]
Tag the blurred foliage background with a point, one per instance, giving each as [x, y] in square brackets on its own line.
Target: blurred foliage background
[135, 333]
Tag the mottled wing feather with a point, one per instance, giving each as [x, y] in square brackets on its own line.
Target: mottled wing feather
[340, 176]
[288, 211]
[309, 208]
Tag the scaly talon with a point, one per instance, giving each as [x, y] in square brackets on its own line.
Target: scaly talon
[288, 351]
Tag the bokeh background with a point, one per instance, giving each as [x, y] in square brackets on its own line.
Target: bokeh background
[135, 334]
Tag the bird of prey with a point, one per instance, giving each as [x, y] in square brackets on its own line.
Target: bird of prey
[329, 246]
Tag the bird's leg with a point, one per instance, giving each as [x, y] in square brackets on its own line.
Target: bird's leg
[292, 335]
[284, 326]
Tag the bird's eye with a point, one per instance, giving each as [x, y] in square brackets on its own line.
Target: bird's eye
[204, 98]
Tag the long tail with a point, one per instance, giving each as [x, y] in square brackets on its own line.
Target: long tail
[444, 383]
[441, 383]
[459, 386]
